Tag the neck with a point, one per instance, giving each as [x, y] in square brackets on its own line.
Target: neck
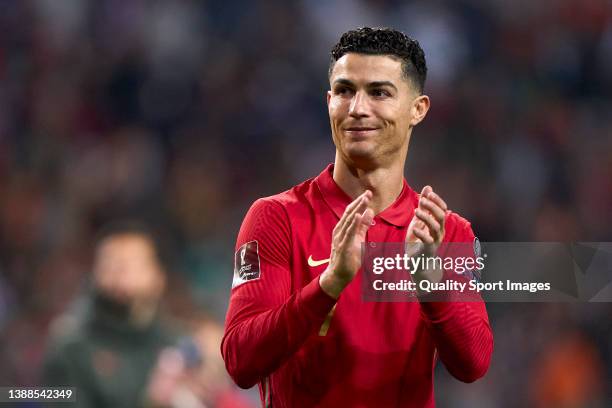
[142, 313]
[138, 314]
[384, 182]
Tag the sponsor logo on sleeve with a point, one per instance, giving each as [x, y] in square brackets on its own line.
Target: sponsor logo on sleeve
[246, 263]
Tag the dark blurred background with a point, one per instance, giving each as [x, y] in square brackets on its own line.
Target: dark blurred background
[182, 113]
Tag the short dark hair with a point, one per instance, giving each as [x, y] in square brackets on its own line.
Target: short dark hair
[384, 41]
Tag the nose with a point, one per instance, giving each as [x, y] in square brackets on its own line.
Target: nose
[359, 105]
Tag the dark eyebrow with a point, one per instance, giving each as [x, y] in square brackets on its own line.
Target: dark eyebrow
[379, 84]
[375, 84]
[343, 81]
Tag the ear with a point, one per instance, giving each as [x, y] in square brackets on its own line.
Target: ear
[328, 97]
[419, 109]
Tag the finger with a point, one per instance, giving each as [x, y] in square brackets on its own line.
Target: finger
[414, 223]
[423, 235]
[345, 220]
[419, 223]
[425, 191]
[429, 220]
[350, 232]
[366, 223]
[433, 208]
[349, 208]
[438, 200]
[363, 204]
[360, 225]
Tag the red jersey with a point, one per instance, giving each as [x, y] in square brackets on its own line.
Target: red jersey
[369, 354]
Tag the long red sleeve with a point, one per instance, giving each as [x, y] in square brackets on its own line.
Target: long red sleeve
[460, 330]
[462, 336]
[265, 323]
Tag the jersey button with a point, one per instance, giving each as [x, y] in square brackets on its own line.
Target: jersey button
[373, 222]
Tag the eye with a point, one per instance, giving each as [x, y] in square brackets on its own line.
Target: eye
[342, 90]
[380, 93]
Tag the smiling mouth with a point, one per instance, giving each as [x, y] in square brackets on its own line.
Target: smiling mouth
[358, 133]
[360, 129]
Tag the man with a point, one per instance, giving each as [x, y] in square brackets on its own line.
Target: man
[108, 348]
[296, 323]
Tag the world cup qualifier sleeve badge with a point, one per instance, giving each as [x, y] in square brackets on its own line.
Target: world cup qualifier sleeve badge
[246, 263]
[477, 273]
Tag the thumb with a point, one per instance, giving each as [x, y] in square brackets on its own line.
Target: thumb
[366, 221]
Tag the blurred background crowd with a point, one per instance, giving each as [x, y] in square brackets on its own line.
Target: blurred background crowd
[181, 113]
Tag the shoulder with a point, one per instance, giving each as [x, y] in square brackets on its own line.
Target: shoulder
[285, 203]
[296, 195]
[458, 228]
[268, 220]
[66, 336]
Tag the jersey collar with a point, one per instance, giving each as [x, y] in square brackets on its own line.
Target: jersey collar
[399, 213]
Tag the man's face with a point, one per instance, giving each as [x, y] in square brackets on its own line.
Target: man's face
[126, 269]
[371, 108]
